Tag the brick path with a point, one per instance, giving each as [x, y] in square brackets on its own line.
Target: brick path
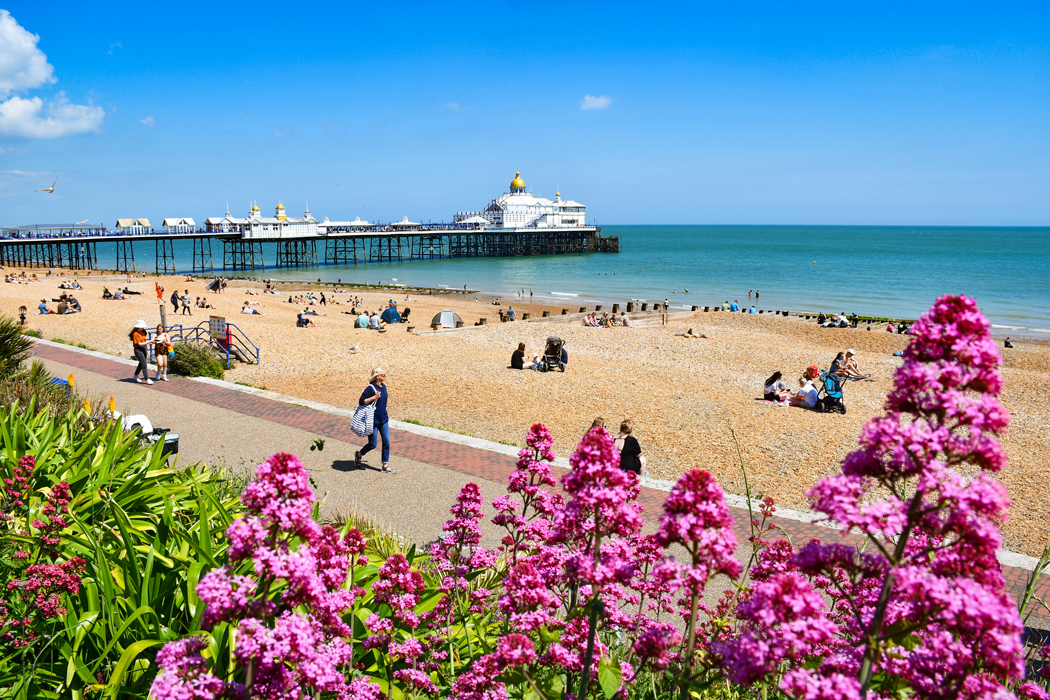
[467, 460]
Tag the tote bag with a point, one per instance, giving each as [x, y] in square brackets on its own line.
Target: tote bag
[364, 418]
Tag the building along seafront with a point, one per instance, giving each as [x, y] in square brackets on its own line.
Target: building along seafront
[255, 225]
[520, 209]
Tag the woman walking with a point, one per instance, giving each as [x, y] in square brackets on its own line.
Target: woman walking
[631, 457]
[140, 342]
[375, 393]
[161, 348]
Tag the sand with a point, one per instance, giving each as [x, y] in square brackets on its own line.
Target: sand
[687, 397]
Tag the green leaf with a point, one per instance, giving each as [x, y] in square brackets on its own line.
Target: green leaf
[610, 676]
[116, 681]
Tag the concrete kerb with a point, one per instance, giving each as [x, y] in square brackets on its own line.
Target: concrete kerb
[1006, 558]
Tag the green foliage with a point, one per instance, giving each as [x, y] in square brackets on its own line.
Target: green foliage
[70, 342]
[192, 360]
[33, 334]
[15, 347]
[148, 531]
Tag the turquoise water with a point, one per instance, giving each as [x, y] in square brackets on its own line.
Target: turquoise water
[893, 271]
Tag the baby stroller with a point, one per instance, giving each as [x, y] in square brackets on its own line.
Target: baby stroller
[552, 355]
[829, 399]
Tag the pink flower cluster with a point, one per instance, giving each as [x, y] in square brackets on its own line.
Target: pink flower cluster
[295, 640]
[926, 607]
[33, 593]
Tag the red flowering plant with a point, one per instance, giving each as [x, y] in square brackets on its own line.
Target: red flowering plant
[924, 610]
[34, 577]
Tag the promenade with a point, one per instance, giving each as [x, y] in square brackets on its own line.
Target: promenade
[236, 428]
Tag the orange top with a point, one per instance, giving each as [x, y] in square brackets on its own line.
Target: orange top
[139, 337]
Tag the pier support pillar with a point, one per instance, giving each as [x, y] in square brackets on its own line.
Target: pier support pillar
[125, 255]
[242, 254]
[165, 263]
[202, 259]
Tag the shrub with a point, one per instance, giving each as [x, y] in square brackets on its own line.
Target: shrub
[192, 360]
[116, 540]
[15, 347]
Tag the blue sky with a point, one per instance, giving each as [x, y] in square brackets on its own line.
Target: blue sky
[830, 114]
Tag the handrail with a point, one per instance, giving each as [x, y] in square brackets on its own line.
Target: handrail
[236, 341]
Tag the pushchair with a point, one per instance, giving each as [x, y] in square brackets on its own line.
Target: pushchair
[552, 355]
[829, 399]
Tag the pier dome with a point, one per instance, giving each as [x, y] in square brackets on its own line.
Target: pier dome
[517, 184]
[279, 213]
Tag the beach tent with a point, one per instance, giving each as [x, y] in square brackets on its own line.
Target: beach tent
[405, 222]
[477, 220]
[446, 319]
[391, 315]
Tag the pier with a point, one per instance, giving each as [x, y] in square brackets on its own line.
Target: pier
[75, 246]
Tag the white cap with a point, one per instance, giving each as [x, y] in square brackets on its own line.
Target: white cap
[140, 324]
[851, 351]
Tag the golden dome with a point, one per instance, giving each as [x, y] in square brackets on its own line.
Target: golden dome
[255, 207]
[517, 181]
[280, 206]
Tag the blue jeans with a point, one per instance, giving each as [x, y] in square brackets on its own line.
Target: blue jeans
[378, 430]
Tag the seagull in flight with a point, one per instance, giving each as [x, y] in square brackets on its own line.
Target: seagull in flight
[49, 189]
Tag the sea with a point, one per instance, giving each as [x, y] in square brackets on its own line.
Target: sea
[893, 271]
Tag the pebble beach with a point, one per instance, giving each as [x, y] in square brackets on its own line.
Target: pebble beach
[694, 402]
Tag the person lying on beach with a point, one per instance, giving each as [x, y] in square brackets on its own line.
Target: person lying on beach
[775, 389]
[690, 334]
[249, 310]
[128, 291]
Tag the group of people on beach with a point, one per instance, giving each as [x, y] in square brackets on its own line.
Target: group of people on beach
[67, 304]
[591, 320]
[844, 368]
[21, 279]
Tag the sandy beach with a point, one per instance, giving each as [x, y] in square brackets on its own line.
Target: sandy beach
[688, 397]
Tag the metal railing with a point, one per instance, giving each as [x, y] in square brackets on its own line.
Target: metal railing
[235, 343]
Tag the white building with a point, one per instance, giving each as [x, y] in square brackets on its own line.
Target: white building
[172, 225]
[280, 225]
[132, 226]
[519, 209]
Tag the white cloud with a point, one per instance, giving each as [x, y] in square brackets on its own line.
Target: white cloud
[592, 102]
[457, 107]
[29, 173]
[283, 132]
[23, 66]
[117, 45]
[31, 119]
[148, 121]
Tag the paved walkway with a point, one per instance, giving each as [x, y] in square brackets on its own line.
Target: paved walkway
[218, 423]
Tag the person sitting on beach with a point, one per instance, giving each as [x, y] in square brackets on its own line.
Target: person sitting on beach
[854, 320]
[752, 310]
[806, 396]
[362, 319]
[106, 294]
[63, 306]
[725, 305]
[890, 328]
[198, 303]
[537, 362]
[517, 358]
[735, 306]
[1007, 343]
[624, 320]
[775, 389]
[249, 310]
[849, 368]
[821, 319]
[373, 322]
[303, 322]
[44, 311]
[118, 294]
[495, 302]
